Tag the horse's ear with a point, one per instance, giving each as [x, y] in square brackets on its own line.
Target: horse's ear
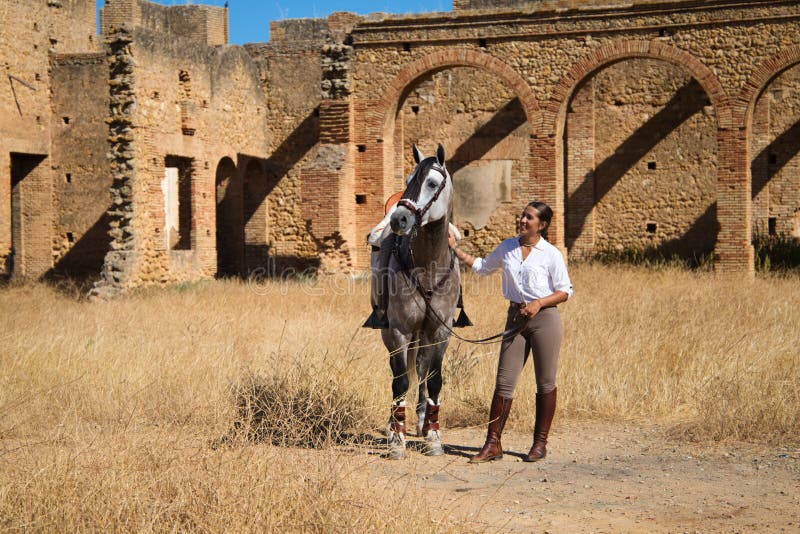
[440, 155]
[418, 156]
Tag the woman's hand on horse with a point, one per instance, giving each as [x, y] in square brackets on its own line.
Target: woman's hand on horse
[451, 240]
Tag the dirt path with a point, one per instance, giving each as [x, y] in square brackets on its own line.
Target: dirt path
[603, 479]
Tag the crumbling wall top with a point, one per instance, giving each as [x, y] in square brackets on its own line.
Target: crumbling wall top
[205, 24]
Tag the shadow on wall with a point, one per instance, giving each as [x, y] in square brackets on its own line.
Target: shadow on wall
[248, 251]
[83, 262]
[695, 248]
[502, 124]
[688, 100]
[781, 151]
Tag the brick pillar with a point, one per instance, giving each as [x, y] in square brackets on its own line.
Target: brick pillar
[734, 250]
[328, 188]
[547, 178]
[760, 165]
[579, 153]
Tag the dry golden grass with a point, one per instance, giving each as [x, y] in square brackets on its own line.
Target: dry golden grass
[122, 415]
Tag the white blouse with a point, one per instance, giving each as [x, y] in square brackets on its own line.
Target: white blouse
[539, 275]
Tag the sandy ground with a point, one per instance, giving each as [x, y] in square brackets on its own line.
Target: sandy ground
[599, 478]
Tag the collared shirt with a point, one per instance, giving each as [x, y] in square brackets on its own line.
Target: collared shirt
[539, 275]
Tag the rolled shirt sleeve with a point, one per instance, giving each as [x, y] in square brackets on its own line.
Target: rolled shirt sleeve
[560, 277]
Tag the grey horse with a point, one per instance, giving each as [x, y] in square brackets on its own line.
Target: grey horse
[424, 283]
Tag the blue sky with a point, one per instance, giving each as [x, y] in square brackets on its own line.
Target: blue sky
[249, 19]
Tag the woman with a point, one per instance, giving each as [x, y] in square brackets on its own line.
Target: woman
[535, 280]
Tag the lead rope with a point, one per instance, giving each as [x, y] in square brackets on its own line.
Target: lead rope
[427, 295]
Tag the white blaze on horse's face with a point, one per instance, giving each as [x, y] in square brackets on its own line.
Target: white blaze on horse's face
[430, 186]
[427, 197]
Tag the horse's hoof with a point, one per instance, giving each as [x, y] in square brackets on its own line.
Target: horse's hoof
[397, 446]
[433, 444]
[397, 454]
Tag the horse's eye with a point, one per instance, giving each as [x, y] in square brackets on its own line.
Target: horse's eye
[432, 184]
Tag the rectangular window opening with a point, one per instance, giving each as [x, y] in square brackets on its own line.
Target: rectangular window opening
[406, 47]
[177, 190]
[772, 226]
[68, 177]
[362, 148]
[651, 227]
[482, 43]
[651, 165]
[415, 109]
[361, 199]
[70, 237]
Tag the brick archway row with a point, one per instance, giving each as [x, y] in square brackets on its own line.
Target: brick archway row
[547, 121]
[456, 57]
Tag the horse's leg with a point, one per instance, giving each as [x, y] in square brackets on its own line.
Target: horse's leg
[397, 344]
[422, 403]
[429, 371]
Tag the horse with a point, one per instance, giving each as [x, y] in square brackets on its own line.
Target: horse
[424, 281]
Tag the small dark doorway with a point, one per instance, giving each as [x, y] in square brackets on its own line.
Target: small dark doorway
[230, 221]
[30, 216]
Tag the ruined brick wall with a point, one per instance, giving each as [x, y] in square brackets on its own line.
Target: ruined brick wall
[196, 105]
[655, 161]
[205, 24]
[545, 56]
[640, 123]
[484, 131]
[775, 149]
[303, 204]
[81, 177]
[541, 5]
[29, 33]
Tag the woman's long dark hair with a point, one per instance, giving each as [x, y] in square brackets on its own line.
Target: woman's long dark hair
[545, 214]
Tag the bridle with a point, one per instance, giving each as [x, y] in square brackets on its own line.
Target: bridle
[410, 206]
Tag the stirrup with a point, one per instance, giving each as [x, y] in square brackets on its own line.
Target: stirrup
[462, 321]
[375, 322]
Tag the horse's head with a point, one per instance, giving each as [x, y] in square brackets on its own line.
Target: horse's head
[428, 194]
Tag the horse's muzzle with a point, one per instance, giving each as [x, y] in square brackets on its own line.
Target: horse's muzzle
[402, 221]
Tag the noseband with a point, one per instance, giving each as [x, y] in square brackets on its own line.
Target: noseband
[420, 213]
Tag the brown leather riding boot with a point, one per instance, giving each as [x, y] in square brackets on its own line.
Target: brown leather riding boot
[498, 413]
[545, 409]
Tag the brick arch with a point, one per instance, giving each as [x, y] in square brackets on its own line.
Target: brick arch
[762, 76]
[553, 112]
[459, 57]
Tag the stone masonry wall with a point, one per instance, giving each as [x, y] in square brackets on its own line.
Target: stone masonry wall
[199, 104]
[775, 148]
[29, 33]
[670, 125]
[205, 24]
[655, 161]
[479, 122]
[81, 174]
[545, 55]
